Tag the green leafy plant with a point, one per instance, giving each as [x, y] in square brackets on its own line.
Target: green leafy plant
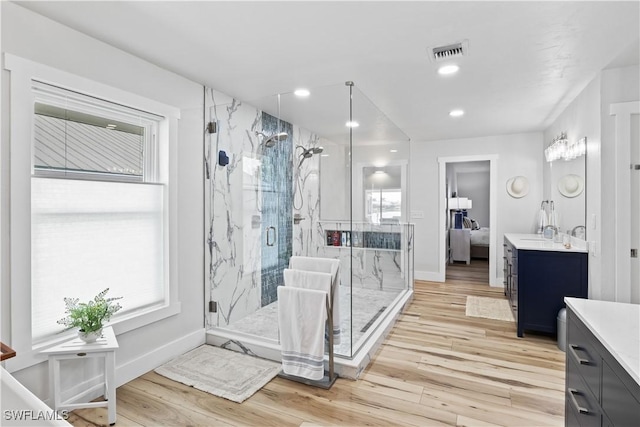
[89, 316]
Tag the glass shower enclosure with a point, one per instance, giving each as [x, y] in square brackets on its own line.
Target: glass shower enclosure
[323, 175]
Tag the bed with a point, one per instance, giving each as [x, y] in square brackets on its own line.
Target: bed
[480, 243]
[479, 239]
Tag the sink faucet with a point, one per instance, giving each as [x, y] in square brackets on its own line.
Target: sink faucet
[574, 231]
[549, 231]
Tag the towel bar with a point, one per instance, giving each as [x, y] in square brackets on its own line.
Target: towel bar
[329, 377]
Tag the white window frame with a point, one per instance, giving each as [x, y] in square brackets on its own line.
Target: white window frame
[23, 73]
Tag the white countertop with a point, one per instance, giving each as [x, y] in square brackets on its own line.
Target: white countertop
[616, 325]
[535, 242]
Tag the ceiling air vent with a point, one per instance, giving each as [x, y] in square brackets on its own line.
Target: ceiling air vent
[444, 53]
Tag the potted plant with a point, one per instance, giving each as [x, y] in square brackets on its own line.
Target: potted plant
[89, 317]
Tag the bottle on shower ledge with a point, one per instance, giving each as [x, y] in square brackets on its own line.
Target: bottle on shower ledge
[336, 238]
[344, 238]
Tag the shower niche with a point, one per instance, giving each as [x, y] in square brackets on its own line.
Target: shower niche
[294, 181]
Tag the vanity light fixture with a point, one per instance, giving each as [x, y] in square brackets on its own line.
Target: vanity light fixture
[352, 124]
[561, 148]
[456, 113]
[302, 93]
[379, 172]
[448, 69]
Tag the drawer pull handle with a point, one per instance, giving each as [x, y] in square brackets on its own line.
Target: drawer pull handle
[573, 348]
[81, 354]
[572, 394]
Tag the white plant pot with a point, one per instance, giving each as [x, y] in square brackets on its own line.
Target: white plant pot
[89, 337]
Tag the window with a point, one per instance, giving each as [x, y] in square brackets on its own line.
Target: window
[383, 206]
[97, 208]
[56, 203]
[74, 144]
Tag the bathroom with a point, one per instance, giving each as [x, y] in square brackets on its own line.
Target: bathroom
[156, 337]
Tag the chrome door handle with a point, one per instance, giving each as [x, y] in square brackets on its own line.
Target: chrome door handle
[576, 405]
[268, 229]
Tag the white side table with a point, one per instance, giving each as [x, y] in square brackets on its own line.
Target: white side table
[460, 241]
[104, 347]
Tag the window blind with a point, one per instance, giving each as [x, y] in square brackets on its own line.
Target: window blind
[90, 235]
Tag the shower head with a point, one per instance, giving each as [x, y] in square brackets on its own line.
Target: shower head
[308, 152]
[271, 140]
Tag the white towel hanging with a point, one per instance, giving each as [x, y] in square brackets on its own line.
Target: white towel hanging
[323, 265]
[302, 314]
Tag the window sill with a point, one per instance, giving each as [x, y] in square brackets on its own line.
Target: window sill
[26, 359]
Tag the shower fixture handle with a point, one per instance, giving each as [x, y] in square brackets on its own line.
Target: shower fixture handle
[269, 241]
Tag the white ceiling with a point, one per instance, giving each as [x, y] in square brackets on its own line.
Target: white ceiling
[527, 60]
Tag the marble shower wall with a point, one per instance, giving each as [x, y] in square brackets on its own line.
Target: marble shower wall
[233, 250]
[306, 194]
[235, 207]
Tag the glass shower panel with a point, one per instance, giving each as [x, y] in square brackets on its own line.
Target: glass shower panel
[635, 207]
[308, 166]
[382, 240]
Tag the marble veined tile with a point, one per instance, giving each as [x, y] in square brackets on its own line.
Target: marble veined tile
[368, 305]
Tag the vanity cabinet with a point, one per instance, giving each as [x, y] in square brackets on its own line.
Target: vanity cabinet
[599, 391]
[536, 282]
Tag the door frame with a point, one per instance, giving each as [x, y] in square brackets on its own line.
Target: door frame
[493, 211]
[623, 112]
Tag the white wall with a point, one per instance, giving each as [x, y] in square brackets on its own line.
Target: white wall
[518, 154]
[475, 187]
[582, 118]
[36, 38]
[589, 115]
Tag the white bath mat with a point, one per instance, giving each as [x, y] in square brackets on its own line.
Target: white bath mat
[224, 373]
[489, 308]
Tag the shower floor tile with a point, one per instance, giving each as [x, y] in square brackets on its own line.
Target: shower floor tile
[368, 305]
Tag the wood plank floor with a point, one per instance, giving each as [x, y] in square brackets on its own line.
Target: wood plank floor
[437, 367]
[475, 272]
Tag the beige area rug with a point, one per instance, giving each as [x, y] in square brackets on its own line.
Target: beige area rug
[224, 373]
[489, 308]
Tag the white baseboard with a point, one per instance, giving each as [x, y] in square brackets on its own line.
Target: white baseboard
[151, 360]
[430, 276]
[499, 283]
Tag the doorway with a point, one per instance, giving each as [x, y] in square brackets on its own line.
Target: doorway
[627, 201]
[452, 214]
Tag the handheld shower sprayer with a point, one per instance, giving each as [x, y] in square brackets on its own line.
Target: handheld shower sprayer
[308, 152]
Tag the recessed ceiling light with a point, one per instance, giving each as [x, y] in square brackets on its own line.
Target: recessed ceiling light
[393, 151]
[301, 92]
[448, 69]
[111, 126]
[456, 113]
[352, 124]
